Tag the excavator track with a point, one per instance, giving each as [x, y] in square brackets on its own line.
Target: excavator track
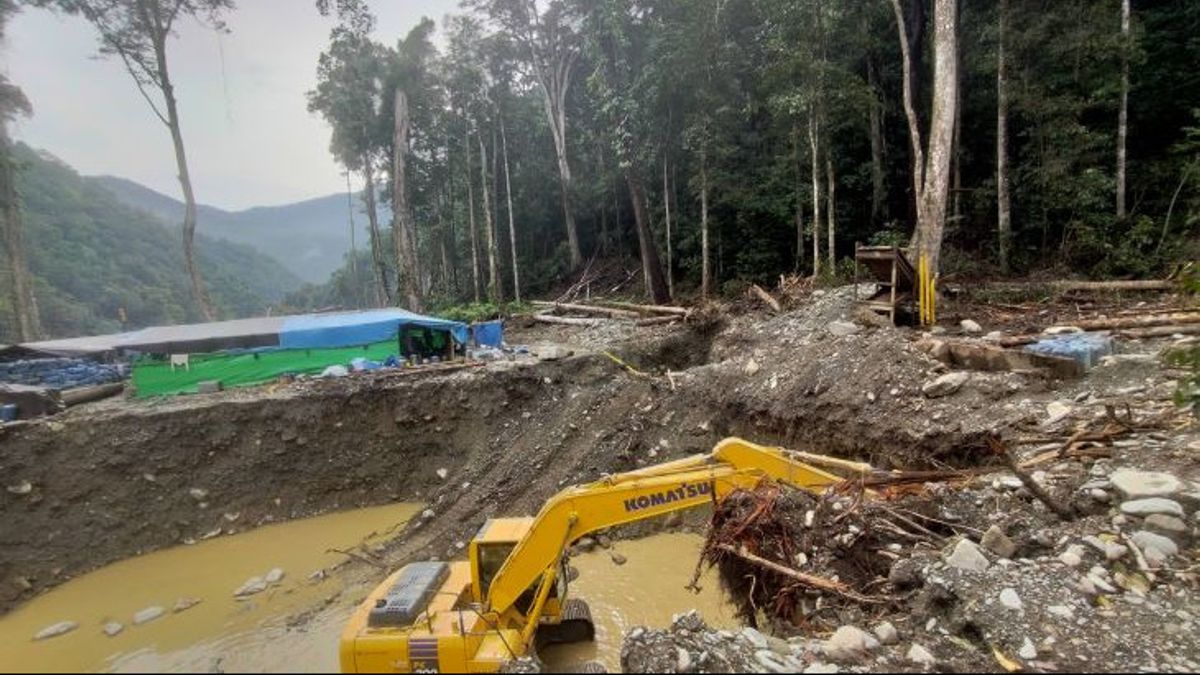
[576, 625]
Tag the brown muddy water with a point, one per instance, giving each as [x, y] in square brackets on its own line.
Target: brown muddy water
[220, 632]
[224, 634]
[646, 591]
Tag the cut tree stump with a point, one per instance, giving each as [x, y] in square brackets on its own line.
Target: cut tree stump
[766, 297]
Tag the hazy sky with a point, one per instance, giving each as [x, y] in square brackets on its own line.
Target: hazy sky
[250, 139]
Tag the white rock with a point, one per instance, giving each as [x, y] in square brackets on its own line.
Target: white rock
[1110, 550]
[198, 494]
[1168, 525]
[184, 604]
[60, 628]
[147, 615]
[253, 585]
[1062, 612]
[1028, 651]
[113, 629]
[427, 514]
[755, 638]
[967, 556]
[1152, 505]
[752, 367]
[22, 488]
[848, 644]
[771, 662]
[1062, 330]
[1137, 484]
[970, 326]
[945, 385]
[683, 660]
[920, 656]
[443, 473]
[1056, 411]
[1148, 541]
[1010, 599]
[274, 576]
[1070, 559]
[886, 633]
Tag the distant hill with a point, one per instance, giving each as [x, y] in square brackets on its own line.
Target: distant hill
[310, 237]
[92, 255]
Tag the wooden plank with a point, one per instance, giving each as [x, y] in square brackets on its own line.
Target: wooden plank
[646, 309]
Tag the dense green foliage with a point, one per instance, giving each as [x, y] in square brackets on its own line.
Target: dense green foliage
[659, 84]
[93, 257]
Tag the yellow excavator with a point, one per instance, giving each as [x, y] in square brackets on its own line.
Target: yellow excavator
[510, 595]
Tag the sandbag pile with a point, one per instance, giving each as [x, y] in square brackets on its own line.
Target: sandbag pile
[60, 373]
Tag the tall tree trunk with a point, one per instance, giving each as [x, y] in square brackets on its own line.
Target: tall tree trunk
[941, 130]
[21, 291]
[408, 272]
[667, 209]
[555, 91]
[383, 291]
[185, 182]
[875, 122]
[705, 256]
[471, 222]
[453, 244]
[495, 289]
[1003, 203]
[799, 197]
[1123, 115]
[814, 148]
[656, 286]
[831, 212]
[356, 289]
[931, 168]
[512, 227]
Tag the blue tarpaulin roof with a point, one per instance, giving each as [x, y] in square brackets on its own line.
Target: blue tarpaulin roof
[358, 328]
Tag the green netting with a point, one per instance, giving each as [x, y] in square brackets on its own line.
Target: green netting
[153, 376]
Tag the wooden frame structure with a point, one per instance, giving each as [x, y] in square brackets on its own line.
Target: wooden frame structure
[889, 268]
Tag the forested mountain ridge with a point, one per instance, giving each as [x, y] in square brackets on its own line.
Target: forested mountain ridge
[92, 258]
[309, 237]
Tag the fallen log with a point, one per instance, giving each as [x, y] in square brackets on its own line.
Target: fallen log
[1161, 331]
[810, 580]
[587, 309]
[85, 394]
[1069, 285]
[567, 320]
[1137, 321]
[658, 320]
[766, 297]
[646, 309]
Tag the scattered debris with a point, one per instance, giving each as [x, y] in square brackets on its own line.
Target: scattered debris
[60, 628]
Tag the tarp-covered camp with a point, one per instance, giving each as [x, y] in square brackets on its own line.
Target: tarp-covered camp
[176, 359]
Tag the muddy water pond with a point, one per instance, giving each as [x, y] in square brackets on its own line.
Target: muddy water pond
[646, 591]
[218, 633]
[258, 634]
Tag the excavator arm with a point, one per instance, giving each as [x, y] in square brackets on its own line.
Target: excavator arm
[638, 495]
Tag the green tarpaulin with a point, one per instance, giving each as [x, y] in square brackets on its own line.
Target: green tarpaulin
[154, 376]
